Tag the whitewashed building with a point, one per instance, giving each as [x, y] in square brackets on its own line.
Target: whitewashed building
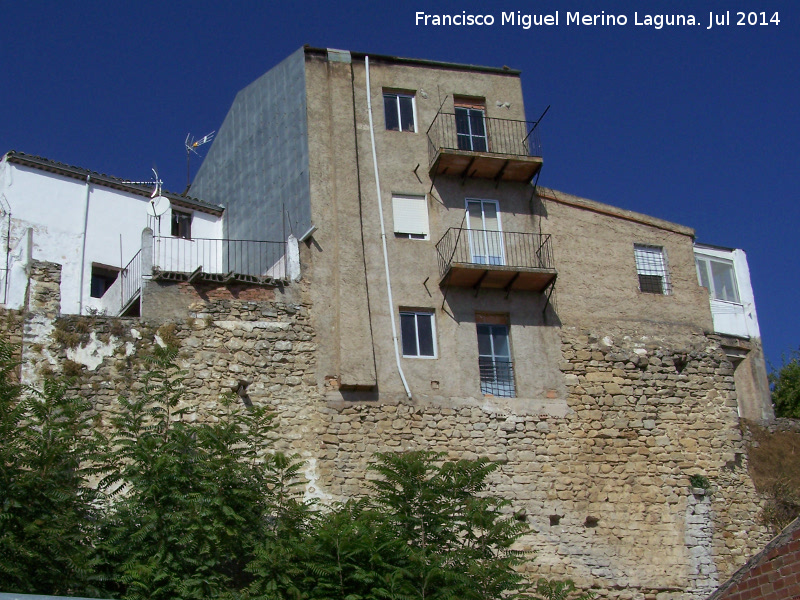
[92, 225]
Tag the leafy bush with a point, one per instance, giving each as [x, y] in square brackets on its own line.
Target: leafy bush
[785, 386]
[48, 511]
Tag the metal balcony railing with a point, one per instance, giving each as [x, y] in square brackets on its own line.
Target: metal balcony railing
[220, 256]
[511, 249]
[497, 377]
[494, 136]
[131, 276]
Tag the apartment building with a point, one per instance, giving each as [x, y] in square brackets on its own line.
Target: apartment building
[437, 271]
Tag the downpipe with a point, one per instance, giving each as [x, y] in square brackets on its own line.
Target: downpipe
[383, 236]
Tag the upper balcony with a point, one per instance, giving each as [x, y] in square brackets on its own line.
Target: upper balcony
[509, 260]
[469, 144]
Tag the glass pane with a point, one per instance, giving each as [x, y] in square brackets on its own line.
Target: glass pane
[462, 121]
[500, 338]
[408, 331]
[406, 113]
[476, 123]
[490, 216]
[724, 286]
[702, 274]
[425, 333]
[494, 240]
[477, 238]
[485, 340]
[651, 284]
[390, 112]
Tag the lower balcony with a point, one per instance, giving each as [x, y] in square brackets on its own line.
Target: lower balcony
[508, 260]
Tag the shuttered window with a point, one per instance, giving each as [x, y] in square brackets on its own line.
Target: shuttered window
[410, 214]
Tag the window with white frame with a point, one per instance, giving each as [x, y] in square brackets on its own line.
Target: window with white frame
[485, 233]
[418, 333]
[410, 215]
[719, 277]
[651, 267]
[399, 111]
[471, 124]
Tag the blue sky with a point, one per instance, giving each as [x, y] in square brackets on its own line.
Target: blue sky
[694, 125]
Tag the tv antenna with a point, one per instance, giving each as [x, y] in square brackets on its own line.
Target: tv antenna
[158, 204]
[191, 146]
[156, 182]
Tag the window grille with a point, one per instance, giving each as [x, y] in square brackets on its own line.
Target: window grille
[652, 269]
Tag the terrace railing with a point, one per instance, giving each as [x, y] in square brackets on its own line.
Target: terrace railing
[253, 258]
[511, 249]
[131, 276]
[496, 136]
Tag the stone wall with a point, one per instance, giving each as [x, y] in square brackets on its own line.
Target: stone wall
[604, 484]
[605, 488]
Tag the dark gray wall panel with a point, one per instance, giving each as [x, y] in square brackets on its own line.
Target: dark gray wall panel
[257, 166]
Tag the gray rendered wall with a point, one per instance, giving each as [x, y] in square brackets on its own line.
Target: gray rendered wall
[258, 163]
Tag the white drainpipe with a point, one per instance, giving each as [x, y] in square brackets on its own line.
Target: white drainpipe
[83, 249]
[383, 236]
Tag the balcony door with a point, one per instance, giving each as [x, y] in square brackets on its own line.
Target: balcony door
[471, 125]
[485, 234]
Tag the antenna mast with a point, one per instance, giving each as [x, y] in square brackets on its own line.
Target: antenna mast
[191, 146]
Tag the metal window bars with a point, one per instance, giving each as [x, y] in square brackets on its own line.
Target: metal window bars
[497, 377]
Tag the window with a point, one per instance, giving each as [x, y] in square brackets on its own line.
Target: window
[416, 329]
[398, 110]
[410, 214]
[719, 277]
[471, 125]
[494, 356]
[652, 269]
[102, 279]
[485, 235]
[181, 224]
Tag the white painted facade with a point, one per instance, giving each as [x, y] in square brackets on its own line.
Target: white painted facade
[735, 316]
[80, 220]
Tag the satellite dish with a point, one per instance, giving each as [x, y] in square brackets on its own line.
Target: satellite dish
[158, 206]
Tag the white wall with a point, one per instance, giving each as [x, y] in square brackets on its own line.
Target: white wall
[734, 318]
[54, 209]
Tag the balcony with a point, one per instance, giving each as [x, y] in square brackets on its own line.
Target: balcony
[506, 260]
[483, 147]
[220, 261]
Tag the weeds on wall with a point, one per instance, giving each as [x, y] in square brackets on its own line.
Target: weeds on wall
[774, 464]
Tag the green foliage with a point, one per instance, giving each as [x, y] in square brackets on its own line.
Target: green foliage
[458, 544]
[785, 386]
[700, 481]
[190, 497]
[559, 590]
[47, 508]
